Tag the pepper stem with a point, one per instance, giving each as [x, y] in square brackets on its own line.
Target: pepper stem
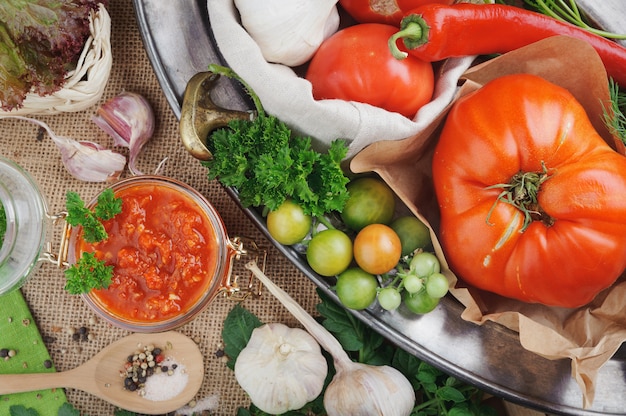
[521, 192]
[413, 32]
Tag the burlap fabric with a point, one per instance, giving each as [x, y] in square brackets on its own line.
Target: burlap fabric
[53, 308]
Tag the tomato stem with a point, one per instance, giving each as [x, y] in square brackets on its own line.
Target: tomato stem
[413, 32]
[521, 192]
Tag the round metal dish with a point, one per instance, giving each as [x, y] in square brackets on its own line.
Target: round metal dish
[178, 40]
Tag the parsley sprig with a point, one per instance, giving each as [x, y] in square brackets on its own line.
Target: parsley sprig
[268, 164]
[88, 272]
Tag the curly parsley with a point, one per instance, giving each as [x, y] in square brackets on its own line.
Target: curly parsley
[88, 272]
[268, 164]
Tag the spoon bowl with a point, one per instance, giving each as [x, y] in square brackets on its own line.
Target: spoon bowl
[100, 375]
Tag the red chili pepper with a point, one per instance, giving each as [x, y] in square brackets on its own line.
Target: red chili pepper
[434, 32]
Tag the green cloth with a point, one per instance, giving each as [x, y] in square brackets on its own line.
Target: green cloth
[19, 332]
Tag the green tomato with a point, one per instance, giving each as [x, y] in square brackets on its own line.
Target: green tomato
[356, 288]
[420, 302]
[389, 298]
[412, 283]
[329, 252]
[424, 264]
[437, 285]
[413, 233]
[288, 224]
[370, 201]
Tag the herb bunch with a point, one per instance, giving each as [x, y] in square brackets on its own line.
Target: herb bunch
[89, 272]
[437, 392]
[268, 164]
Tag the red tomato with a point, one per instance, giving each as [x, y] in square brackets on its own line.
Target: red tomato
[383, 11]
[564, 238]
[355, 64]
[377, 248]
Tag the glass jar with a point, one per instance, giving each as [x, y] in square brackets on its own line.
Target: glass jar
[148, 222]
[26, 226]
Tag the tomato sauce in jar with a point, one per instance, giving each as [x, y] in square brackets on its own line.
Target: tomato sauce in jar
[164, 250]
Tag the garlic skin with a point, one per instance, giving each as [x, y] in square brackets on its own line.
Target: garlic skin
[281, 368]
[129, 119]
[356, 389]
[289, 32]
[86, 161]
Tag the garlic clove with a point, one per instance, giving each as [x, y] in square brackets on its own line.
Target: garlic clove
[86, 161]
[281, 368]
[129, 119]
[90, 162]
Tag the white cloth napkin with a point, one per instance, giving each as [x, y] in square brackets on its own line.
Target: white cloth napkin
[289, 97]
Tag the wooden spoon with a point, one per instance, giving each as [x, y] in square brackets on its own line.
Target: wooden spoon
[100, 375]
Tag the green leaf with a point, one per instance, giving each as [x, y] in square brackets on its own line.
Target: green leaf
[106, 208]
[67, 409]
[238, 327]
[450, 394]
[339, 323]
[20, 410]
[122, 412]
[108, 205]
[462, 410]
[86, 274]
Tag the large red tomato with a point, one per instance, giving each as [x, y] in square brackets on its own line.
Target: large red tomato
[383, 11]
[355, 64]
[532, 200]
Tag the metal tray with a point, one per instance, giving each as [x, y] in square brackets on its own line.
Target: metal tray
[178, 40]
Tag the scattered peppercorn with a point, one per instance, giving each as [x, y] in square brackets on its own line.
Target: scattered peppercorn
[47, 364]
[4, 352]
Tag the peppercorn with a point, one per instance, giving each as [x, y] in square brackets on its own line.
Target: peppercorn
[47, 363]
[4, 353]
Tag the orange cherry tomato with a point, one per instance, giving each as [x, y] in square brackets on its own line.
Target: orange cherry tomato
[377, 248]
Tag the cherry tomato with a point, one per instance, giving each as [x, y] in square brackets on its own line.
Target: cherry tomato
[437, 285]
[420, 302]
[329, 252]
[356, 288]
[288, 224]
[355, 64]
[389, 298]
[413, 233]
[424, 264]
[377, 248]
[370, 201]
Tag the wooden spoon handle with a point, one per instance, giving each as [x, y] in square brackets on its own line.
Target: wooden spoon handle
[18, 383]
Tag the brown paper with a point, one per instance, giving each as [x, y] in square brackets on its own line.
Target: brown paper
[588, 336]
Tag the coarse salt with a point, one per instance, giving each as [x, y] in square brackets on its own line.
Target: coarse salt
[163, 386]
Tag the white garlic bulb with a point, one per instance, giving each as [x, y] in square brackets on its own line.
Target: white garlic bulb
[281, 368]
[289, 32]
[356, 389]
